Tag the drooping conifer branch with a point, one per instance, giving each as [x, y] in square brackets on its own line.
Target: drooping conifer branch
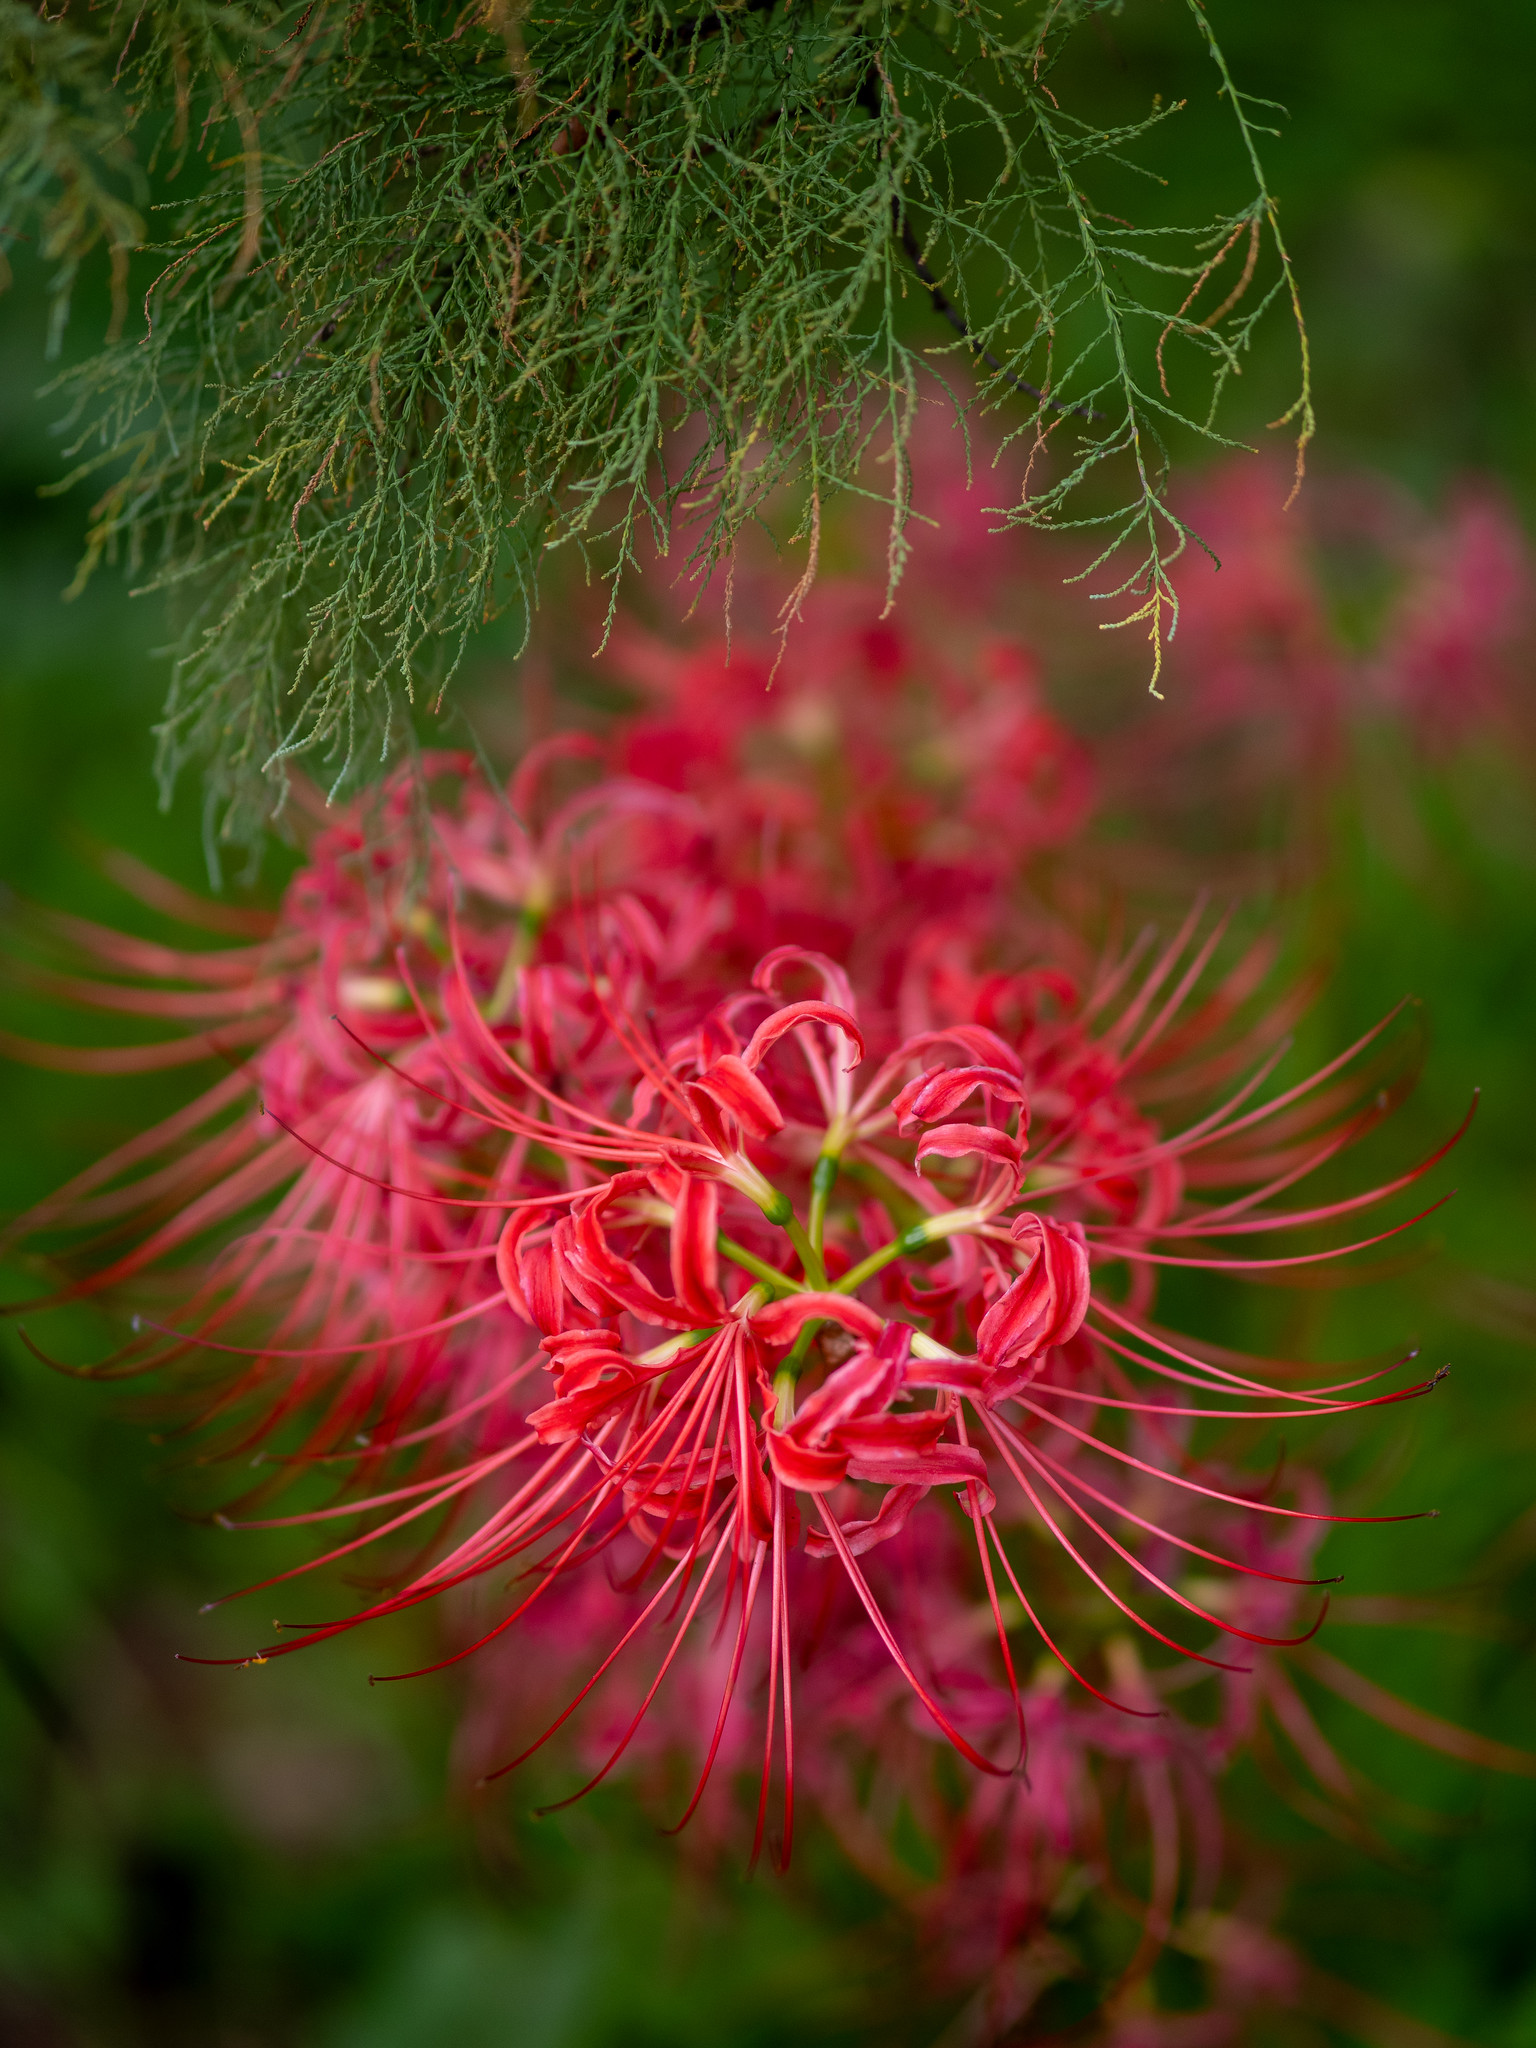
[437, 288]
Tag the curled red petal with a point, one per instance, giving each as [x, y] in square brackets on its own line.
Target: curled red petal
[1045, 1306]
[935, 1095]
[914, 1431]
[621, 1284]
[695, 1251]
[731, 1084]
[954, 1141]
[802, 1466]
[943, 1465]
[834, 979]
[984, 1045]
[866, 1385]
[569, 1414]
[969, 1376]
[773, 1028]
[889, 1520]
[506, 1260]
[782, 1321]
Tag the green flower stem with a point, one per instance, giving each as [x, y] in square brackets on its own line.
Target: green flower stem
[773, 1202]
[810, 1257]
[793, 1363]
[759, 1268]
[823, 1180]
[674, 1347]
[931, 1231]
[929, 1347]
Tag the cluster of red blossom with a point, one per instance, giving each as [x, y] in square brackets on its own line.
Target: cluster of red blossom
[706, 1189]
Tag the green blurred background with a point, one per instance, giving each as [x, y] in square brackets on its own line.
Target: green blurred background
[190, 1857]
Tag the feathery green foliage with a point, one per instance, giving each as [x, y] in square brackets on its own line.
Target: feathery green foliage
[67, 165]
[452, 285]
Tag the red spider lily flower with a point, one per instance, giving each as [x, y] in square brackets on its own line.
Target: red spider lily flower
[728, 1244]
[800, 1256]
